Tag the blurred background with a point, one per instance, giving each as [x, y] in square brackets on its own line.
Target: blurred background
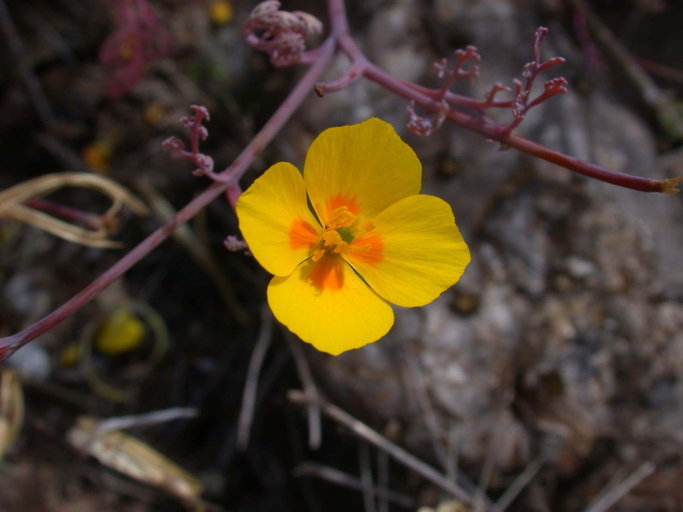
[548, 379]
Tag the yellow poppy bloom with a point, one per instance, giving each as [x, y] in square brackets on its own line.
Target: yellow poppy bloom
[371, 238]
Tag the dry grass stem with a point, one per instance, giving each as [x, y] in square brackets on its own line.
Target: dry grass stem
[12, 206]
[310, 388]
[382, 480]
[361, 430]
[335, 476]
[613, 493]
[519, 484]
[251, 386]
[453, 452]
[366, 478]
[489, 465]
[415, 382]
[149, 418]
[663, 107]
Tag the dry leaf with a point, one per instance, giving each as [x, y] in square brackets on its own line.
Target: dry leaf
[132, 457]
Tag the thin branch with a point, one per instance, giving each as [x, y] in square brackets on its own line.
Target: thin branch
[361, 430]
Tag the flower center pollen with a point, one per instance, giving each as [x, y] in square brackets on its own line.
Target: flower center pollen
[340, 231]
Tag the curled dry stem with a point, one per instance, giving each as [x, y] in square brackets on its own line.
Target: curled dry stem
[13, 205]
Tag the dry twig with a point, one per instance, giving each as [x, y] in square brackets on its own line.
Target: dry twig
[251, 386]
[361, 430]
[310, 388]
[366, 478]
[612, 494]
[344, 479]
[519, 484]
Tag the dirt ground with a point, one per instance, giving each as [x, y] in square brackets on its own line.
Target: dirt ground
[547, 380]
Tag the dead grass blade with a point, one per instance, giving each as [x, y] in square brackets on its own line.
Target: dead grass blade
[11, 409]
[134, 458]
[12, 206]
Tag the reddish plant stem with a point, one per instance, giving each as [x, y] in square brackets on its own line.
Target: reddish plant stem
[87, 219]
[456, 99]
[661, 70]
[233, 173]
[492, 131]
[426, 99]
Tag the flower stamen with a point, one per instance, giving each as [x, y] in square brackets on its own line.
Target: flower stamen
[340, 218]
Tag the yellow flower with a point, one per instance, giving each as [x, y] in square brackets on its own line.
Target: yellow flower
[220, 12]
[371, 239]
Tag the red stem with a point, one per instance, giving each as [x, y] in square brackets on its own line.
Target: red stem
[67, 213]
[234, 172]
[487, 129]
[492, 131]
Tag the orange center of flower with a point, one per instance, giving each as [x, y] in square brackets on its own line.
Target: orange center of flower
[344, 235]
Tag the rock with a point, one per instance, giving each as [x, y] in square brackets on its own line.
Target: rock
[564, 331]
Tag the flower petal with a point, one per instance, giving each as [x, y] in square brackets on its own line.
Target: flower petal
[331, 308]
[275, 220]
[417, 254]
[365, 167]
